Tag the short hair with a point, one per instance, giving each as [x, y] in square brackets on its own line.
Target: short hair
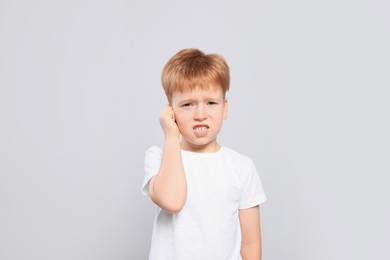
[191, 68]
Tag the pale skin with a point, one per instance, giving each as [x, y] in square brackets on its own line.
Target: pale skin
[197, 116]
[168, 189]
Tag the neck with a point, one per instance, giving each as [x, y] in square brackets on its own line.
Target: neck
[209, 148]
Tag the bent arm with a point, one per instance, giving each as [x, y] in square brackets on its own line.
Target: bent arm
[168, 189]
[250, 232]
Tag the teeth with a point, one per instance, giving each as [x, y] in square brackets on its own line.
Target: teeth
[200, 129]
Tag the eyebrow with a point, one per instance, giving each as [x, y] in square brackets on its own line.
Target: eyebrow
[186, 100]
[195, 100]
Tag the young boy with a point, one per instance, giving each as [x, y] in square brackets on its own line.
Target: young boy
[208, 195]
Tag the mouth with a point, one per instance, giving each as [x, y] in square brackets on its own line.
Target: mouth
[201, 130]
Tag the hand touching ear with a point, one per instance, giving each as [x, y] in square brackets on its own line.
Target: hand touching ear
[168, 189]
[168, 123]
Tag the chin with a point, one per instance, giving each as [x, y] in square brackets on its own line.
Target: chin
[200, 142]
[200, 145]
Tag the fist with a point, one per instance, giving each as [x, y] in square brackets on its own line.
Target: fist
[168, 123]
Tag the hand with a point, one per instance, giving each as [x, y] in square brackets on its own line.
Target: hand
[168, 123]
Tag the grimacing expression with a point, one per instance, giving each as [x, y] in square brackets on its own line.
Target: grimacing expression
[199, 115]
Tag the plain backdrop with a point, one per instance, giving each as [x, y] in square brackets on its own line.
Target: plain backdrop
[80, 97]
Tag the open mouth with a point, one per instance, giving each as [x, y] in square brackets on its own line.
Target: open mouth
[200, 129]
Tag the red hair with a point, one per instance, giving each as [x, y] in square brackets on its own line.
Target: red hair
[191, 68]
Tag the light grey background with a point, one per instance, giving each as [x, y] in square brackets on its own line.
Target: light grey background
[80, 97]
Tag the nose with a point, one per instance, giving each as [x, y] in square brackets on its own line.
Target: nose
[200, 114]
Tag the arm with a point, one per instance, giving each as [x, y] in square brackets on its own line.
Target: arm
[168, 189]
[250, 232]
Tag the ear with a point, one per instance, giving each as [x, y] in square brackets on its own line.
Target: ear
[225, 109]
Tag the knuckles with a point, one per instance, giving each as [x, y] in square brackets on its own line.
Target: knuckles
[167, 120]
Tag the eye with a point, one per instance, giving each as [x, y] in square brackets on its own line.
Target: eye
[187, 105]
[212, 103]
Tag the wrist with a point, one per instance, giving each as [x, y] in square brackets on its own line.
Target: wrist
[172, 135]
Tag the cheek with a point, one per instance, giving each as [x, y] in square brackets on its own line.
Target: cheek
[183, 125]
[180, 119]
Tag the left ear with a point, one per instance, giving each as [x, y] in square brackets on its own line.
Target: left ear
[225, 109]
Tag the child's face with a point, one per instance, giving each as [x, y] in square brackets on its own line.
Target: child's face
[199, 115]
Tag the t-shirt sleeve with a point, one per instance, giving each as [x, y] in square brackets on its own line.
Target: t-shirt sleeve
[252, 193]
[152, 165]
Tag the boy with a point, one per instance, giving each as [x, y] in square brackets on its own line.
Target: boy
[208, 195]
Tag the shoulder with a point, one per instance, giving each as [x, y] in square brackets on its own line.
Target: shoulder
[238, 160]
[234, 155]
[153, 155]
[154, 150]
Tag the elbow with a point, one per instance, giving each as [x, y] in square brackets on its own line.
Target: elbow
[169, 200]
[172, 207]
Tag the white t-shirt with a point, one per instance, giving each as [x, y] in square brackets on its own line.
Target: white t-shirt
[207, 227]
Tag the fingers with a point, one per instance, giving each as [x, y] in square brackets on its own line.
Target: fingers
[169, 112]
[172, 113]
[168, 122]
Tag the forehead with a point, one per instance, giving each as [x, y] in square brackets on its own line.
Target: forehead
[198, 94]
